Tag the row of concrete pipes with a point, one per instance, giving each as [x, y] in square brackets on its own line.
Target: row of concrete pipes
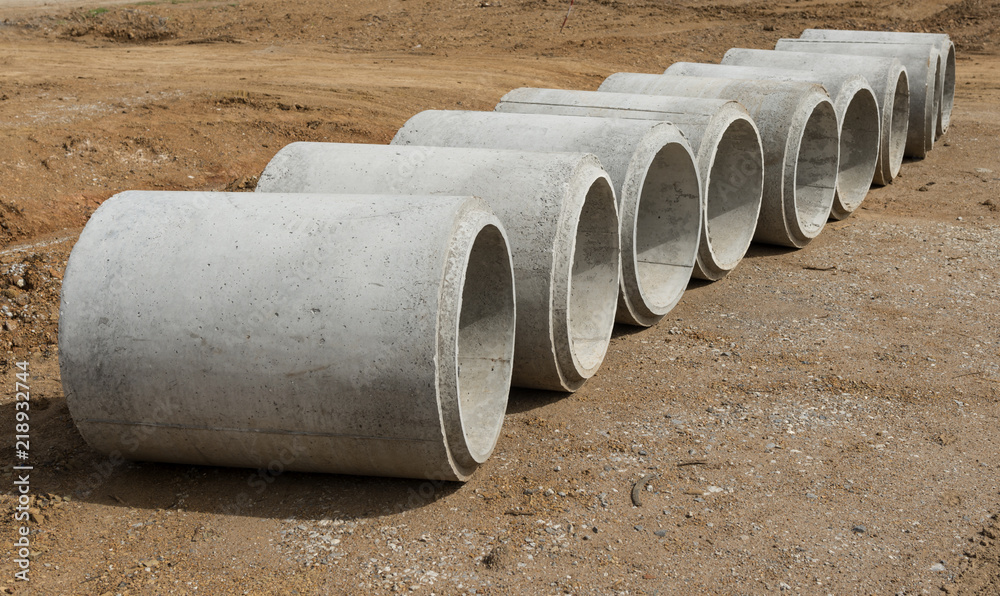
[368, 308]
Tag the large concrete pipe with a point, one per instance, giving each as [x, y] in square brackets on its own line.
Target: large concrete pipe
[857, 111]
[943, 43]
[922, 63]
[558, 208]
[726, 143]
[887, 77]
[655, 179]
[345, 334]
[800, 135]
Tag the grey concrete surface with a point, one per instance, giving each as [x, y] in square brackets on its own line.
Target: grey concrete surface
[922, 62]
[857, 112]
[558, 208]
[800, 138]
[887, 77]
[725, 140]
[350, 334]
[654, 174]
[943, 43]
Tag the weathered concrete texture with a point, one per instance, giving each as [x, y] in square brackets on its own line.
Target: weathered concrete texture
[922, 62]
[558, 208]
[943, 43]
[655, 179]
[347, 334]
[857, 112]
[800, 137]
[726, 143]
[888, 80]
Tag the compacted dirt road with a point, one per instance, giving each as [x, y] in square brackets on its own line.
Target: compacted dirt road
[822, 421]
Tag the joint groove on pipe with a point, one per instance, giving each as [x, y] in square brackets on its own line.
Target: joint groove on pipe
[726, 143]
[799, 130]
[655, 177]
[558, 208]
[344, 334]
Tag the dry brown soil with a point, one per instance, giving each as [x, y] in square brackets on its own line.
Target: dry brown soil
[823, 421]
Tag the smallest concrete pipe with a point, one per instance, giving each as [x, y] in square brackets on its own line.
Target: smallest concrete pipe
[726, 143]
[343, 334]
[558, 208]
[800, 137]
[943, 43]
[888, 79]
[653, 171]
[857, 112]
[922, 62]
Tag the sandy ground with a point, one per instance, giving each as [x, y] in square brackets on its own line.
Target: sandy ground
[822, 421]
[37, 6]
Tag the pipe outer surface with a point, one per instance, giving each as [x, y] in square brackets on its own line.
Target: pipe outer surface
[800, 138]
[942, 41]
[888, 80]
[345, 334]
[655, 179]
[558, 208]
[922, 62]
[725, 140]
[857, 112]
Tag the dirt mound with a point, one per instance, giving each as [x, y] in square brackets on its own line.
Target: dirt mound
[29, 302]
[119, 24]
[973, 23]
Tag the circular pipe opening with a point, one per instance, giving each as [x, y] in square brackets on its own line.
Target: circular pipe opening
[667, 227]
[593, 284]
[923, 134]
[816, 169]
[899, 124]
[733, 193]
[859, 142]
[948, 94]
[938, 99]
[485, 342]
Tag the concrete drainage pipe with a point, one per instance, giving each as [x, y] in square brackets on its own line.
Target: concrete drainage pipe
[887, 77]
[857, 111]
[943, 43]
[558, 208]
[922, 63]
[726, 143]
[343, 334]
[655, 179]
[800, 134]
